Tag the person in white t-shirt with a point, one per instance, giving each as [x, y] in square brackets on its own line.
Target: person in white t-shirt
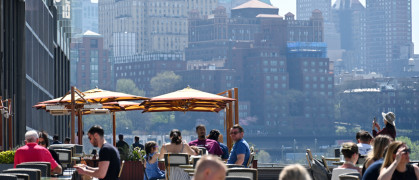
[364, 139]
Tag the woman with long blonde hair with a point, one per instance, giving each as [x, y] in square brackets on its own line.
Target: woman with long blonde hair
[380, 143]
[395, 165]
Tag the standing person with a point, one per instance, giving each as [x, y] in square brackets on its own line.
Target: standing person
[152, 165]
[137, 143]
[390, 125]
[395, 165]
[55, 139]
[240, 152]
[123, 147]
[33, 152]
[109, 160]
[364, 139]
[212, 146]
[214, 135]
[209, 167]
[43, 141]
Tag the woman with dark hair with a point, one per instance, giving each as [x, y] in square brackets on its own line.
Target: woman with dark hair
[390, 126]
[43, 141]
[152, 167]
[176, 145]
[396, 163]
[351, 155]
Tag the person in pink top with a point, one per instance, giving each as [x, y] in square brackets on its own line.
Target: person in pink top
[34, 152]
[212, 146]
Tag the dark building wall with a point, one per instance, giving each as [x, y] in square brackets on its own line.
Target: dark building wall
[34, 68]
[12, 67]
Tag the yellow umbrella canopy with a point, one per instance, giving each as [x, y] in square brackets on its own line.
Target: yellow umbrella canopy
[187, 99]
[95, 96]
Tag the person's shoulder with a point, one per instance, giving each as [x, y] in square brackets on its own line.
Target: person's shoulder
[194, 142]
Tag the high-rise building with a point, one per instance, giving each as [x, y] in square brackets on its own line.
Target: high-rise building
[34, 64]
[84, 15]
[348, 17]
[93, 67]
[306, 7]
[155, 26]
[388, 36]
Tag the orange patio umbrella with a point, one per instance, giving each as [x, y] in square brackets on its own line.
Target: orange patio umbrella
[76, 100]
[189, 99]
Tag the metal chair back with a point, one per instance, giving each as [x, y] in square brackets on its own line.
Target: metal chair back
[45, 172]
[243, 172]
[34, 174]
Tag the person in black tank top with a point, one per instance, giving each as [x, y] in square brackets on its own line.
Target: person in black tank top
[395, 165]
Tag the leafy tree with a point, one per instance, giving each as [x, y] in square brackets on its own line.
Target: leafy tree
[165, 82]
[263, 157]
[414, 146]
[128, 86]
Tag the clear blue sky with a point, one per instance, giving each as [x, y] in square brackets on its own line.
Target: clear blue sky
[286, 6]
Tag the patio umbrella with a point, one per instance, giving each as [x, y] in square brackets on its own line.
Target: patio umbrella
[109, 99]
[189, 99]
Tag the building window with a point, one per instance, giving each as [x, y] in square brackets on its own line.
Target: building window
[93, 43]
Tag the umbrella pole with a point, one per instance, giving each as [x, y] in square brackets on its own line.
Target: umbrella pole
[79, 127]
[230, 120]
[1, 126]
[236, 105]
[73, 133]
[9, 104]
[114, 128]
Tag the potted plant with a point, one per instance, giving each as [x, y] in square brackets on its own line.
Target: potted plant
[7, 159]
[133, 166]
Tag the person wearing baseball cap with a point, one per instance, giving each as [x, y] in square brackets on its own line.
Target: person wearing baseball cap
[390, 126]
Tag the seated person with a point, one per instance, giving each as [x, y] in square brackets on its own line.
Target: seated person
[364, 139]
[350, 153]
[152, 165]
[396, 163]
[212, 146]
[210, 167]
[43, 141]
[33, 152]
[215, 135]
[176, 145]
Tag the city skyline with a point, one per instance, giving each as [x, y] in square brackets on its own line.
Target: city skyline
[286, 6]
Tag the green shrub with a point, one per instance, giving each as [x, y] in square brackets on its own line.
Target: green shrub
[136, 154]
[7, 157]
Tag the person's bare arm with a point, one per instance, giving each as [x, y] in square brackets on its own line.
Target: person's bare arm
[162, 151]
[387, 173]
[99, 172]
[416, 171]
[189, 150]
[240, 159]
[57, 170]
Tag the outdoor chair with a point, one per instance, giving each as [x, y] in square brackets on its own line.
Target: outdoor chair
[350, 175]
[203, 151]
[48, 164]
[34, 174]
[45, 171]
[361, 159]
[339, 171]
[120, 170]
[250, 161]
[172, 163]
[8, 177]
[318, 171]
[243, 172]
[64, 155]
[234, 166]
[237, 178]
[19, 176]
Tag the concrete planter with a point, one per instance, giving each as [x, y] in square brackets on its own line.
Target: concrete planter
[5, 166]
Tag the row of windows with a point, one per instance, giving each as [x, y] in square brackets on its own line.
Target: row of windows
[273, 63]
[275, 78]
[315, 78]
[322, 86]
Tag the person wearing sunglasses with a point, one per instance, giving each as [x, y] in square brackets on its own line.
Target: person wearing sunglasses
[33, 152]
[43, 141]
[240, 152]
[396, 163]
